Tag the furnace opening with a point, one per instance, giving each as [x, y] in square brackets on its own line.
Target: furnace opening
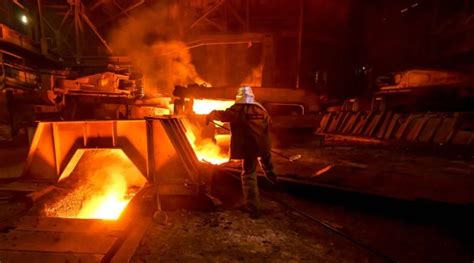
[210, 143]
[205, 106]
[96, 184]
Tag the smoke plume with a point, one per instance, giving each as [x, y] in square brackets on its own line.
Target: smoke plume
[151, 39]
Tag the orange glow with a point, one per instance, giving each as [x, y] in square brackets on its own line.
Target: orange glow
[108, 205]
[206, 150]
[223, 140]
[161, 111]
[200, 81]
[205, 106]
[103, 181]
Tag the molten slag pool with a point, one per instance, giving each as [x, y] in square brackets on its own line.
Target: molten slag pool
[100, 185]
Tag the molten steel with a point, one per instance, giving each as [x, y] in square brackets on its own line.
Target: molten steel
[100, 187]
[109, 204]
[205, 106]
[206, 150]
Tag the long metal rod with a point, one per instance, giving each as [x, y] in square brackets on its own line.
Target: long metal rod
[200, 43]
[300, 43]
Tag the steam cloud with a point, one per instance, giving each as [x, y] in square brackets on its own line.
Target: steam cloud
[151, 39]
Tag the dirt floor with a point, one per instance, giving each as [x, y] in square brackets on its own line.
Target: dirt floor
[231, 236]
[405, 227]
[389, 230]
[404, 231]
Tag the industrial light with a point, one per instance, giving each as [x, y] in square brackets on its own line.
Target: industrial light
[24, 19]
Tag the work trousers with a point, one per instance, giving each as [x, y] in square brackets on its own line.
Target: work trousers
[249, 179]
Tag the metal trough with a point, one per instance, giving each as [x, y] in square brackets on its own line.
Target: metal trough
[158, 147]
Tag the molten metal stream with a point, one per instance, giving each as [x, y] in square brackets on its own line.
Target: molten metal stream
[205, 149]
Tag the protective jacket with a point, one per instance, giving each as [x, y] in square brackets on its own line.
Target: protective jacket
[249, 125]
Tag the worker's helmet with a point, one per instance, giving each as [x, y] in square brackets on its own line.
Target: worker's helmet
[245, 95]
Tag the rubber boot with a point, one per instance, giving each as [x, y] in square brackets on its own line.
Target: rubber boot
[251, 194]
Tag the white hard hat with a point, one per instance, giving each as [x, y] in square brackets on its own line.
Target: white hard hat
[245, 95]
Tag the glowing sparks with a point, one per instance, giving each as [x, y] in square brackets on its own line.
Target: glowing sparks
[205, 106]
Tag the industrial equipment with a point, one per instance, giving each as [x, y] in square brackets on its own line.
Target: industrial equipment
[291, 101]
[158, 147]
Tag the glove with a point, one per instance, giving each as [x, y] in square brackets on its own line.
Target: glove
[209, 117]
[212, 116]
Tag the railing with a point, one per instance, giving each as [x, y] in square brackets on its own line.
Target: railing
[18, 75]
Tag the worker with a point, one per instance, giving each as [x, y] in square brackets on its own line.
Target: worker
[250, 142]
